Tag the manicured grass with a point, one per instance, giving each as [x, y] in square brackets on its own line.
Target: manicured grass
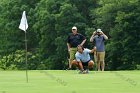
[58, 81]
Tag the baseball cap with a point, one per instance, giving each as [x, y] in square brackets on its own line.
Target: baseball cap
[99, 30]
[74, 27]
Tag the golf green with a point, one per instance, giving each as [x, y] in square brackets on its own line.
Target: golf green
[60, 81]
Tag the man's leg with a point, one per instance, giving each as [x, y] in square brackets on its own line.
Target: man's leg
[102, 65]
[72, 56]
[90, 64]
[102, 56]
[70, 63]
[95, 60]
[74, 63]
[98, 65]
[95, 55]
[80, 66]
[98, 61]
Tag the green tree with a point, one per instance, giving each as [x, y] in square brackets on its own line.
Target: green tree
[122, 25]
[11, 38]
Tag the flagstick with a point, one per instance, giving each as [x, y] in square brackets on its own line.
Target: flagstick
[23, 26]
[26, 56]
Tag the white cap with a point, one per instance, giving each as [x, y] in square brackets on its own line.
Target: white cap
[99, 30]
[74, 27]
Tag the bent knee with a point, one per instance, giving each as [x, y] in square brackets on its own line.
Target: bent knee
[74, 62]
[91, 62]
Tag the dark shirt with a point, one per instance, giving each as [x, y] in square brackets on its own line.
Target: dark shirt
[75, 40]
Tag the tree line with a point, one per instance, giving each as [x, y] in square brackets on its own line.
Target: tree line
[50, 22]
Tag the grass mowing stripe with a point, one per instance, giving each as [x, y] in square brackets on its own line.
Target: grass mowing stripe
[58, 81]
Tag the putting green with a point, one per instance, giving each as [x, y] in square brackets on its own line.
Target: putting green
[58, 81]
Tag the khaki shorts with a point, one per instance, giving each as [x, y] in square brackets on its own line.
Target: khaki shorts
[72, 53]
[100, 56]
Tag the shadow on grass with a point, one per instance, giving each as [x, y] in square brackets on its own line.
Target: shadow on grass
[127, 79]
[53, 77]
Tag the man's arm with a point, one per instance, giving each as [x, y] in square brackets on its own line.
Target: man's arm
[83, 42]
[105, 36]
[90, 51]
[93, 50]
[68, 45]
[79, 62]
[91, 38]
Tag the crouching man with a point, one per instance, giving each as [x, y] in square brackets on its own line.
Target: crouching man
[83, 59]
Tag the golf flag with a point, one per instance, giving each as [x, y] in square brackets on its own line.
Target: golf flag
[23, 23]
[23, 26]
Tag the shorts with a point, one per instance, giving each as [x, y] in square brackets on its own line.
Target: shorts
[100, 56]
[85, 63]
[72, 53]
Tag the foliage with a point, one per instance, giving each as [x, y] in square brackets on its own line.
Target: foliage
[121, 23]
[50, 22]
[16, 60]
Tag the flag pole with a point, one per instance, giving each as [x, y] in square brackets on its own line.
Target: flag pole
[26, 53]
[23, 26]
[26, 59]
[26, 56]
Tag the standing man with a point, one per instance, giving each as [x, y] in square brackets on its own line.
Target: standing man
[74, 39]
[99, 37]
[83, 59]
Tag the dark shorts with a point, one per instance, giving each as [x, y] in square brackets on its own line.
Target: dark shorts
[85, 63]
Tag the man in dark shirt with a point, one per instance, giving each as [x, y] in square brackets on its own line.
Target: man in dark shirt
[74, 39]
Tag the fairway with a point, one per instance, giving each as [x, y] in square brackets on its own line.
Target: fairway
[59, 81]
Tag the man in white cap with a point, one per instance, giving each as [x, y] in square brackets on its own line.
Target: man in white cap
[74, 39]
[99, 37]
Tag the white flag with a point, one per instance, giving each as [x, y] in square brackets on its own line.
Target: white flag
[23, 23]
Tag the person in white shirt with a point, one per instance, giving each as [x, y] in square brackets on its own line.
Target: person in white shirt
[83, 59]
